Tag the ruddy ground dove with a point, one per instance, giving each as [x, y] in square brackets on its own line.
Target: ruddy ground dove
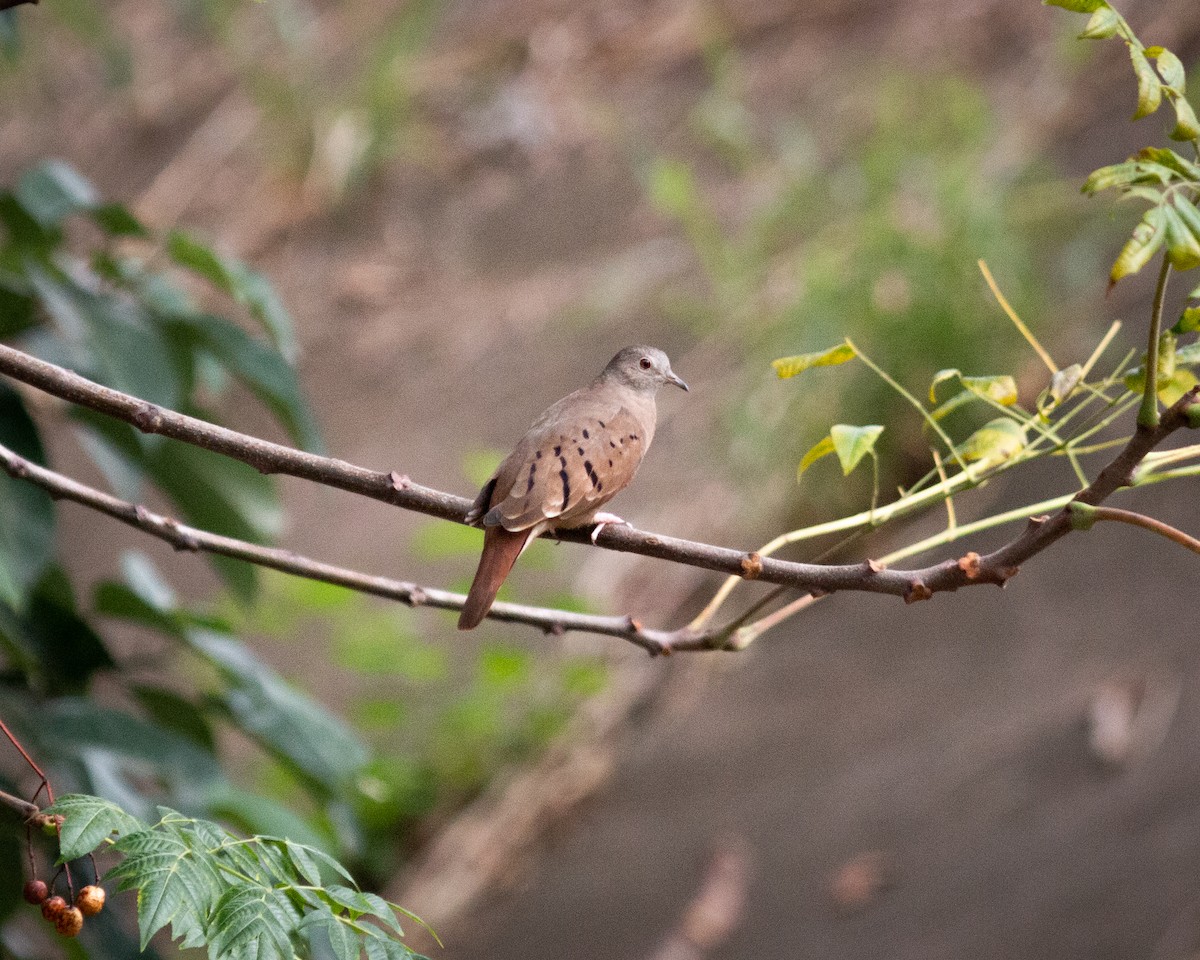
[577, 456]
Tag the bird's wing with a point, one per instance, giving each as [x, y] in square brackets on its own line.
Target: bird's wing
[568, 466]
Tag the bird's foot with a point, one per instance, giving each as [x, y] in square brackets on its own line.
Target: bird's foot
[603, 520]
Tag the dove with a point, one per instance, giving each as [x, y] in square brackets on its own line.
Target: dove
[579, 454]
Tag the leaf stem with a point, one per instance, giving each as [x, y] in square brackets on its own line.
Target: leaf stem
[1148, 414]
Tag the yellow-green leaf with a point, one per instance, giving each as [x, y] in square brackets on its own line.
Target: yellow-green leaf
[822, 448]
[994, 442]
[1077, 6]
[1149, 86]
[1064, 381]
[1169, 68]
[1001, 388]
[1189, 321]
[1147, 237]
[1102, 25]
[791, 366]
[1183, 246]
[1187, 127]
[1176, 387]
[853, 443]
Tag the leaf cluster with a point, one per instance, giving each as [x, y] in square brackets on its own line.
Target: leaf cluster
[257, 898]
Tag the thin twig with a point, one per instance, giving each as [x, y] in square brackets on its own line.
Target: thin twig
[1017, 321]
[1089, 515]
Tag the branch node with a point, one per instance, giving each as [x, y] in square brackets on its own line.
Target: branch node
[874, 566]
[417, 597]
[818, 592]
[917, 591]
[147, 417]
[399, 481]
[1191, 413]
[20, 468]
[1007, 573]
[1083, 515]
[969, 565]
[632, 624]
[182, 540]
[556, 629]
[752, 566]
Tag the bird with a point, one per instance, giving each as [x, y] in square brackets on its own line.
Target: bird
[579, 454]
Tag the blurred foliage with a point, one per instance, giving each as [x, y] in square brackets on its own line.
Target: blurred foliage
[85, 284]
[332, 117]
[880, 233]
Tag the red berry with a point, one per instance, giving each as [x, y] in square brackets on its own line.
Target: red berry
[69, 922]
[35, 891]
[90, 900]
[53, 907]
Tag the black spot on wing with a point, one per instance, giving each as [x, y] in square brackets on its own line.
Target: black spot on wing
[566, 482]
[586, 435]
[587, 465]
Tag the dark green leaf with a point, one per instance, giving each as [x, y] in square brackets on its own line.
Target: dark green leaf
[25, 233]
[261, 368]
[293, 727]
[1164, 157]
[176, 713]
[117, 221]
[52, 192]
[27, 514]
[17, 308]
[89, 821]
[246, 286]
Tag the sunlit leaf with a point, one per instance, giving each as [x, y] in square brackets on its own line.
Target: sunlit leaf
[787, 367]
[1187, 127]
[1103, 24]
[1183, 246]
[1148, 237]
[852, 443]
[993, 443]
[1077, 6]
[821, 448]
[1169, 68]
[1189, 321]
[1149, 86]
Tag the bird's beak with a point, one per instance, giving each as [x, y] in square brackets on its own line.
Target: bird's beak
[678, 381]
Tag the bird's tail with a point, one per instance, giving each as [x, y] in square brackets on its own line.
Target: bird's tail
[500, 551]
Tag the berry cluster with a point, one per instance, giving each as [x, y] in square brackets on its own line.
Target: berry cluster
[67, 920]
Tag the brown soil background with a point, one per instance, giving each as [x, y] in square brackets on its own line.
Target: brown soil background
[944, 746]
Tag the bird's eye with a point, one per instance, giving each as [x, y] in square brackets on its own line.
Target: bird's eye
[645, 363]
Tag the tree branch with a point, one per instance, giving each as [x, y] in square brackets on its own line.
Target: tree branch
[1083, 517]
[9, 4]
[912, 585]
[183, 537]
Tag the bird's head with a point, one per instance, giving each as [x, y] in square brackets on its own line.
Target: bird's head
[643, 368]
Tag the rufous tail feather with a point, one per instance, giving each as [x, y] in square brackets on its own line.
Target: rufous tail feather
[500, 551]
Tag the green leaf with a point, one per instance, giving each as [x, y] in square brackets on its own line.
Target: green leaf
[1189, 321]
[53, 191]
[1187, 127]
[262, 368]
[1147, 237]
[1077, 6]
[1149, 86]
[1180, 166]
[89, 821]
[994, 442]
[344, 942]
[1183, 246]
[1064, 381]
[117, 221]
[176, 713]
[853, 443]
[1169, 68]
[294, 728]
[1103, 24]
[787, 367]
[821, 448]
[246, 286]
[27, 514]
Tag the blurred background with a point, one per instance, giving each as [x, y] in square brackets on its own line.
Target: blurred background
[467, 208]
